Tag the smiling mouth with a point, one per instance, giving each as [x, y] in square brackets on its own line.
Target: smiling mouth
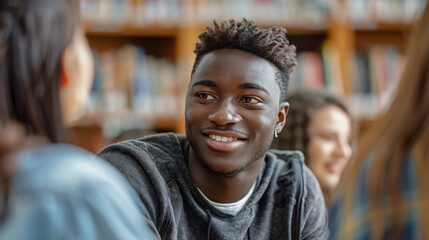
[222, 138]
[334, 168]
[224, 143]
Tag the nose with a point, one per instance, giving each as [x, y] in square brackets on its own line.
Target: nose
[225, 113]
[344, 149]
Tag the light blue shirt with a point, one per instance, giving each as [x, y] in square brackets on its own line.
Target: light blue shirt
[63, 192]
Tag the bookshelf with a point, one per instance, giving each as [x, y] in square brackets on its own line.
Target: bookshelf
[372, 37]
[109, 120]
[328, 35]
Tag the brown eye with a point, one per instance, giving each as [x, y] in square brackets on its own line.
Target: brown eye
[249, 100]
[205, 96]
[202, 95]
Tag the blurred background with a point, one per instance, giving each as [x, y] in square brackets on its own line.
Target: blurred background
[143, 52]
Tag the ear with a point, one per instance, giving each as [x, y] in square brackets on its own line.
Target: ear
[76, 78]
[283, 109]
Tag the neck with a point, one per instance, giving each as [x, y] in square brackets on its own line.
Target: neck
[219, 187]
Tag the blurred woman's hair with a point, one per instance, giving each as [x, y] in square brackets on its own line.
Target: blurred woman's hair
[13, 141]
[403, 128]
[303, 103]
[33, 37]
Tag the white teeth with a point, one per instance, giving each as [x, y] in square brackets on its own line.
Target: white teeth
[222, 139]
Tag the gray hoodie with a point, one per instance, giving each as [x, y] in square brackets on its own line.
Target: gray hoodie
[156, 166]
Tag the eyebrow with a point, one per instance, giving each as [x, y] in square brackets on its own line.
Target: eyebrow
[208, 83]
[252, 86]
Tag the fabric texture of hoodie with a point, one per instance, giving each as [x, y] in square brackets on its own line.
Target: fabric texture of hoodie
[156, 166]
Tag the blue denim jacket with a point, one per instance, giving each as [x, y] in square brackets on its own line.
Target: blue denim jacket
[62, 192]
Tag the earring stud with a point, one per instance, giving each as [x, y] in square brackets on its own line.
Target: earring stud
[276, 135]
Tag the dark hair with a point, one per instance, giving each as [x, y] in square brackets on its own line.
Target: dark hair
[13, 140]
[303, 104]
[270, 44]
[401, 129]
[33, 37]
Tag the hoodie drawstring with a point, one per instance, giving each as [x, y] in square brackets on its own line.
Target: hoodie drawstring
[209, 227]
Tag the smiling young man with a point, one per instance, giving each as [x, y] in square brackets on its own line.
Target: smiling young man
[220, 181]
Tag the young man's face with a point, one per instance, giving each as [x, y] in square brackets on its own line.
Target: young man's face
[232, 109]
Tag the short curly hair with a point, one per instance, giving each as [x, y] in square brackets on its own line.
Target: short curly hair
[303, 104]
[270, 44]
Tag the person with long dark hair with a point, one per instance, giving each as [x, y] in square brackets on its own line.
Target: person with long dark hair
[385, 191]
[49, 189]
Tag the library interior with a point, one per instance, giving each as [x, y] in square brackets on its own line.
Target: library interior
[143, 54]
[165, 119]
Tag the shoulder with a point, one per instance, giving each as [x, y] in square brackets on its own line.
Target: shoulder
[291, 162]
[284, 164]
[295, 176]
[148, 155]
[59, 189]
[148, 163]
[287, 155]
[290, 166]
[51, 167]
[153, 146]
[287, 174]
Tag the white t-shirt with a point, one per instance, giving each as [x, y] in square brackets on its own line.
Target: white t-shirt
[230, 208]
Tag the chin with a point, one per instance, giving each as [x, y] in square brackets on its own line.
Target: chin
[329, 185]
[227, 171]
[230, 174]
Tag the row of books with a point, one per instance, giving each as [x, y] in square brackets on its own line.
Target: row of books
[140, 13]
[129, 79]
[318, 70]
[300, 13]
[374, 76]
[366, 12]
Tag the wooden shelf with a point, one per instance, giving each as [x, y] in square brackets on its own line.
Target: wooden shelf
[160, 123]
[130, 31]
[295, 30]
[170, 125]
[367, 38]
[89, 131]
[383, 27]
[382, 34]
